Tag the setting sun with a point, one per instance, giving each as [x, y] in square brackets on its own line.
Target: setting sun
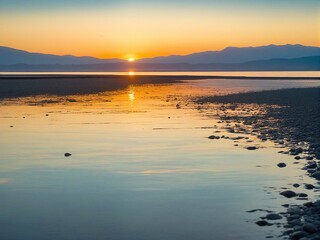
[131, 59]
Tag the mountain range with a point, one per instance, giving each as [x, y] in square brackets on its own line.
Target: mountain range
[264, 58]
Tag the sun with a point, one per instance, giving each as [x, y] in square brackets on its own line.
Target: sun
[131, 59]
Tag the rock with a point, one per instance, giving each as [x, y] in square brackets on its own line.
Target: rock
[316, 175]
[252, 148]
[312, 165]
[67, 154]
[297, 157]
[298, 235]
[293, 217]
[295, 222]
[309, 158]
[296, 185]
[294, 210]
[303, 195]
[281, 165]
[309, 186]
[308, 204]
[288, 194]
[263, 223]
[309, 228]
[214, 137]
[273, 216]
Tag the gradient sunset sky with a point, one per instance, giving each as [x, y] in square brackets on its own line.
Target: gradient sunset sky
[146, 28]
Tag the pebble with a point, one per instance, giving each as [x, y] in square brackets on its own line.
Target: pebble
[309, 228]
[281, 165]
[303, 195]
[251, 148]
[312, 165]
[309, 186]
[273, 216]
[288, 194]
[298, 235]
[263, 223]
[67, 154]
[214, 137]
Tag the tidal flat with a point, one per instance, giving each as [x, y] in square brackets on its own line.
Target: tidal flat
[141, 161]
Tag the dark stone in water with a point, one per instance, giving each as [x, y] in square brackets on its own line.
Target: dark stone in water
[288, 194]
[273, 216]
[214, 137]
[308, 204]
[309, 228]
[251, 148]
[309, 158]
[67, 154]
[309, 186]
[303, 195]
[263, 223]
[312, 165]
[281, 165]
[298, 235]
[296, 185]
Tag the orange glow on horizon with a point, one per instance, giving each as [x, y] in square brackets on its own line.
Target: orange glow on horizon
[151, 34]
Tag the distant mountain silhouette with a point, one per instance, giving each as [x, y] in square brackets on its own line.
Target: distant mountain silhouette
[296, 64]
[9, 56]
[272, 57]
[240, 55]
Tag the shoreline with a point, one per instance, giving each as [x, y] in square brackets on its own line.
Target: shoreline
[12, 86]
[290, 119]
[177, 77]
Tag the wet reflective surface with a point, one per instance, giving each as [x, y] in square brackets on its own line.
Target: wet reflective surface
[141, 167]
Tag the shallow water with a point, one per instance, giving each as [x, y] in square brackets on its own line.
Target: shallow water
[141, 168]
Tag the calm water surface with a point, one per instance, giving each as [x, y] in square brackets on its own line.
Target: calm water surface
[140, 168]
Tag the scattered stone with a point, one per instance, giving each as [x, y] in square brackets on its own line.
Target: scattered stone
[309, 228]
[296, 185]
[312, 165]
[297, 157]
[288, 194]
[251, 148]
[303, 195]
[67, 154]
[214, 137]
[309, 158]
[308, 204]
[263, 223]
[281, 165]
[309, 186]
[298, 235]
[273, 216]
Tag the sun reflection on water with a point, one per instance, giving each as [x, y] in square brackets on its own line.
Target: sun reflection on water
[131, 94]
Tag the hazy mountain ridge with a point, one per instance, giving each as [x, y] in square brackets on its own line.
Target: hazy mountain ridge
[10, 56]
[240, 55]
[296, 64]
[265, 58]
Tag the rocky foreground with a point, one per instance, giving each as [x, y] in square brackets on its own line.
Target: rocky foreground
[291, 119]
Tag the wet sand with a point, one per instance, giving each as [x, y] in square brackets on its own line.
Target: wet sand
[291, 119]
[31, 85]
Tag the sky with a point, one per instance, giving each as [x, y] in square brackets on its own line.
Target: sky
[146, 28]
